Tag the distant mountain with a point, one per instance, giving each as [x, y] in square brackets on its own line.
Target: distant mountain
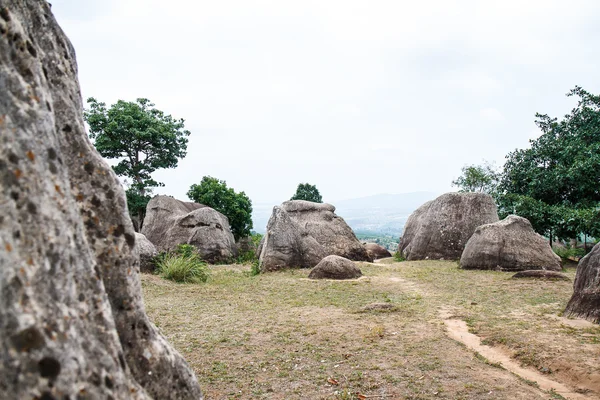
[383, 214]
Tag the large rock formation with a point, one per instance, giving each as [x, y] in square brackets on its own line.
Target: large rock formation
[146, 251]
[440, 228]
[509, 245]
[585, 302]
[301, 233]
[170, 222]
[335, 267]
[377, 251]
[72, 320]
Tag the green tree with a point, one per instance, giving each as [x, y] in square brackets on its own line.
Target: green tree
[237, 207]
[477, 178]
[556, 182]
[308, 192]
[142, 138]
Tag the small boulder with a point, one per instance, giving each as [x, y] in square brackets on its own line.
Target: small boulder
[541, 274]
[585, 302]
[376, 251]
[439, 229]
[147, 251]
[335, 267]
[509, 245]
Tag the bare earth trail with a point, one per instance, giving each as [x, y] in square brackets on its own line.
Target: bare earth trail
[282, 336]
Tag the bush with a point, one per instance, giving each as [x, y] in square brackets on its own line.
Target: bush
[398, 256]
[184, 265]
[569, 253]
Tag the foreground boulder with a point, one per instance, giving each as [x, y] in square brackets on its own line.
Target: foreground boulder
[376, 251]
[439, 229]
[585, 302]
[509, 245]
[72, 320]
[335, 267]
[147, 251]
[301, 233]
[170, 222]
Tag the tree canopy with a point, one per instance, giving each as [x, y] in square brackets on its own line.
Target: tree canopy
[477, 178]
[556, 182]
[237, 207]
[308, 192]
[142, 138]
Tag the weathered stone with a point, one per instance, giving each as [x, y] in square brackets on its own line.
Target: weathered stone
[147, 251]
[585, 302]
[541, 274]
[509, 245]
[72, 320]
[300, 233]
[170, 222]
[376, 251]
[440, 228]
[335, 267]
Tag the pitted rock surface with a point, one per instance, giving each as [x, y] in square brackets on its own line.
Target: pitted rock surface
[72, 320]
[301, 233]
[509, 245]
[585, 302]
[170, 222]
[377, 251]
[335, 267]
[439, 229]
[147, 252]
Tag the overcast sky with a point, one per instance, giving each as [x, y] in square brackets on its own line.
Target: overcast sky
[356, 97]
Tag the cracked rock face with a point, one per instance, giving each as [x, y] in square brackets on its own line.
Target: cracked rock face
[585, 302]
[301, 233]
[170, 222]
[439, 229]
[72, 320]
[509, 245]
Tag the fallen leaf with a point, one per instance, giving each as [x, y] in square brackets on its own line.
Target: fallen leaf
[332, 381]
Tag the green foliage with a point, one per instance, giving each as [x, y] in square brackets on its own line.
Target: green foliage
[249, 256]
[308, 192]
[184, 265]
[388, 241]
[255, 269]
[398, 256]
[554, 183]
[569, 252]
[477, 178]
[141, 137]
[136, 203]
[237, 207]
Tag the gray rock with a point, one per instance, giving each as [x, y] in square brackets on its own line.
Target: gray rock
[335, 267]
[300, 233]
[170, 222]
[509, 245]
[585, 302]
[147, 251]
[376, 251]
[541, 274]
[72, 320]
[440, 228]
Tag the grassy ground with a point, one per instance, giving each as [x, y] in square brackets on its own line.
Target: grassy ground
[282, 336]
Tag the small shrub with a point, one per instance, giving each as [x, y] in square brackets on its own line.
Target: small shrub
[569, 252]
[245, 257]
[398, 256]
[255, 269]
[184, 265]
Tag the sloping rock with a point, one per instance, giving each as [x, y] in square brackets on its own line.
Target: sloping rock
[376, 251]
[300, 233]
[170, 222]
[72, 320]
[147, 251]
[541, 274]
[439, 229]
[585, 302]
[509, 245]
[335, 267]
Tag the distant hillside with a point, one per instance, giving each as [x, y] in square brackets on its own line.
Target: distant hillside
[383, 214]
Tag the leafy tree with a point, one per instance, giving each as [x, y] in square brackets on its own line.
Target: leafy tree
[237, 207]
[556, 182]
[142, 138]
[477, 178]
[308, 192]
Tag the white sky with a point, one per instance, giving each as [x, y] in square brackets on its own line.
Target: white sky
[356, 97]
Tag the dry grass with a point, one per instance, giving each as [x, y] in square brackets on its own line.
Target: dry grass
[282, 336]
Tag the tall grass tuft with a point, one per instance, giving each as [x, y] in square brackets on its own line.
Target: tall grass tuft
[183, 266]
